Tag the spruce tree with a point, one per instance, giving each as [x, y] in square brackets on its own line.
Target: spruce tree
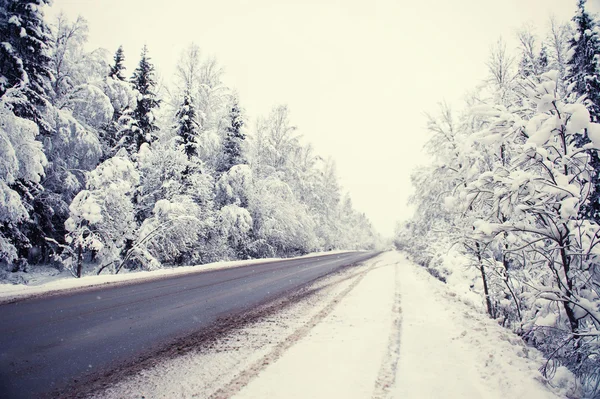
[24, 61]
[116, 70]
[583, 76]
[582, 72]
[143, 123]
[188, 126]
[234, 138]
[25, 80]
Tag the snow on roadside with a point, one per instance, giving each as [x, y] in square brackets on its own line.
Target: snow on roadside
[47, 283]
[450, 349]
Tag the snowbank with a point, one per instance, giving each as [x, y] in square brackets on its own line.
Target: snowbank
[450, 349]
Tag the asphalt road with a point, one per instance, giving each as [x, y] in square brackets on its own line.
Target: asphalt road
[49, 344]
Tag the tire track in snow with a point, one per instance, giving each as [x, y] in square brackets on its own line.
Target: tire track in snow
[389, 367]
[242, 379]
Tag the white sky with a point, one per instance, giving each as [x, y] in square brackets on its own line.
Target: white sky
[358, 75]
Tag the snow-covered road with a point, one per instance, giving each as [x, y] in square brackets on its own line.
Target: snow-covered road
[384, 330]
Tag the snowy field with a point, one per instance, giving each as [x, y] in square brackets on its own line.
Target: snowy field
[49, 280]
[385, 329]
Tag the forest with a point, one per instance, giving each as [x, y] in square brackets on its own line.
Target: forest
[102, 169]
[509, 206]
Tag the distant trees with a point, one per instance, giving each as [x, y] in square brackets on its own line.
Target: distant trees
[512, 189]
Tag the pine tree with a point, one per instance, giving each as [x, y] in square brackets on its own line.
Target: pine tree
[143, 123]
[24, 60]
[188, 126]
[234, 138]
[583, 76]
[116, 70]
[583, 73]
[25, 79]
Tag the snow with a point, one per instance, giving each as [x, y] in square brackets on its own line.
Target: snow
[383, 329]
[448, 347]
[342, 356]
[569, 208]
[51, 281]
[580, 118]
[594, 134]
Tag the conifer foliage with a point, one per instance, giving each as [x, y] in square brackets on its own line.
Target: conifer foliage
[117, 69]
[143, 124]
[234, 138]
[188, 127]
[24, 57]
[583, 77]
[583, 72]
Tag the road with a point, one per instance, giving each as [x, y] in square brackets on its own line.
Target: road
[49, 344]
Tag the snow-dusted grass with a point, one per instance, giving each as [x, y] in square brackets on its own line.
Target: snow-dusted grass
[47, 280]
[386, 329]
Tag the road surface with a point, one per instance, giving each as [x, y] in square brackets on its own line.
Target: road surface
[49, 344]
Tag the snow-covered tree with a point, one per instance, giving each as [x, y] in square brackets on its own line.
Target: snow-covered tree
[22, 162]
[583, 76]
[101, 216]
[168, 174]
[236, 224]
[123, 99]
[142, 122]
[116, 70]
[188, 127]
[233, 142]
[170, 235]
[507, 183]
[583, 70]
[235, 186]
[24, 59]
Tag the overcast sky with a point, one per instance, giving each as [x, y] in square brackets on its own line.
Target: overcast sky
[358, 75]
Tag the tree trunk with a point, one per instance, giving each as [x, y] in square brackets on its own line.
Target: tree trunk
[507, 282]
[486, 291]
[79, 261]
[573, 322]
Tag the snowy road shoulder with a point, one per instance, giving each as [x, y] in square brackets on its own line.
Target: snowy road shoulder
[449, 349]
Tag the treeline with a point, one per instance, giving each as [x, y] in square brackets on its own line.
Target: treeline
[514, 186]
[101, 170]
